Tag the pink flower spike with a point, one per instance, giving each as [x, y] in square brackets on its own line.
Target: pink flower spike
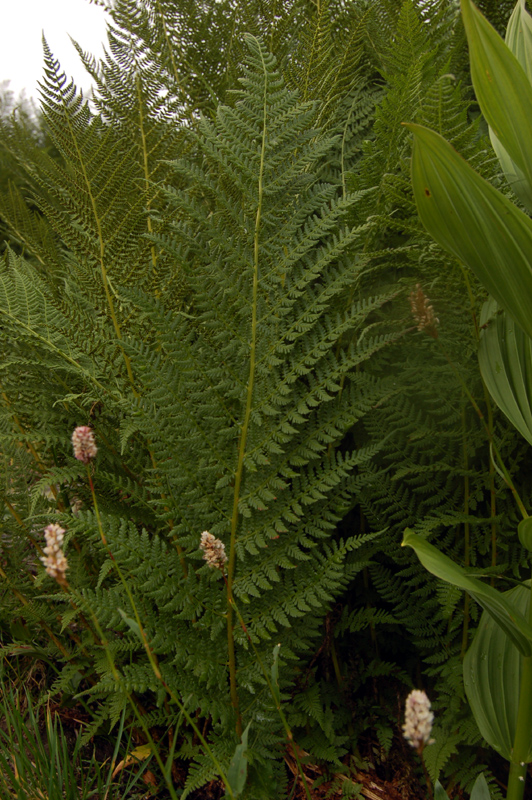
[84, 444]
[213, 550]
[54, 559]
[418, 720]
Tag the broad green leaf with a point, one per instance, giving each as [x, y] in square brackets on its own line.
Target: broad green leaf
[515, 177]
[524, 531]
[439, 792]
[511, 621]
[238, 769]
[519, 40]
[480, 789]
[476, 223]
[519, 37]
[505, 358]
[492, 677]
[131, 623]
[502, 87]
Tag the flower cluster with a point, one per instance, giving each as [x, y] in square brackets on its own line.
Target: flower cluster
[213, 550]
[418, 720]
[423, 312]
[84, 444]
[54, 559]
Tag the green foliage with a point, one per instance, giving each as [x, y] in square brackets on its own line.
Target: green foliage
[210, 265]
[222, 408]
[37, 759]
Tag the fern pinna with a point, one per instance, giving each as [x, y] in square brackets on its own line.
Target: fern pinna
[223, 412]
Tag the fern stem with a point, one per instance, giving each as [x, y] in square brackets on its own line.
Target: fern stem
[103, 268]
[25, 602]
[29, 445]
[342, 157]
[315, 45]
[50, 346]
[15, 515]
[199, 76]
[146, 172]
[245, 425]
[169, 46]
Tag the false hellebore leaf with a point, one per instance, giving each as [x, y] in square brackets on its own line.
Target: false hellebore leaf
[519, 40]
[505, 358]
[502, 87]
[474, 222]
[492, 678]
[507, 617]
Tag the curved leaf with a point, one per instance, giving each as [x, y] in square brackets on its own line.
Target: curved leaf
[515, 177]
[524, 531]
[519, 40]
[238, 769]
[476, 223]
[439, 792]
[505, 358]
[519, 37]
[510, 620]
[492, 677]
[480, 789]
[502, 87]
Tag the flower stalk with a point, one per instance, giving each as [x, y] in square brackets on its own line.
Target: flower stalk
[418, 726]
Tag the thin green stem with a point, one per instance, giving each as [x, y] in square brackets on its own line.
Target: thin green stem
[103, 268]
[490, 429]
[245, 425]
[505, 475]
[467, 532]
[146, 172]
[426, 774]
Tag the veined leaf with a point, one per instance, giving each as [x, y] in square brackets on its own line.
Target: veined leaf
[492, 678]
[481, 789]
[519, 37]
[515, 177]
[505, 358]
[439, 792]
[519, 40]
[524, 531]
[476, 223]
[238, 769]
[510, 620]
[502, 87]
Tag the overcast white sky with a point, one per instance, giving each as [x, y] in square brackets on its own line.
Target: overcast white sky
[22, 23]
